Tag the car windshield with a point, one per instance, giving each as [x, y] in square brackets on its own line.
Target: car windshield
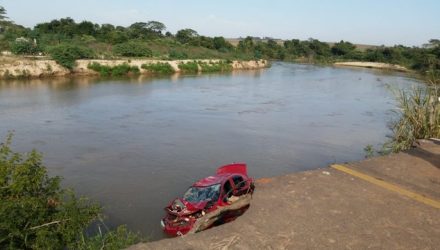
[198, 194]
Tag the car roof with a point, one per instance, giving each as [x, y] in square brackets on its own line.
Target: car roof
[215, 179]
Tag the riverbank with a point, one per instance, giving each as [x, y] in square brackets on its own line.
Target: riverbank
[22, 67]
[374, 65]
[388, 202]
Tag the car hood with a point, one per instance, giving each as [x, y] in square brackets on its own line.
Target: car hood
[182, 207]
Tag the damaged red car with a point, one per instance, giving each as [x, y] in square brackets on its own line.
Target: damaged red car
[211, 201]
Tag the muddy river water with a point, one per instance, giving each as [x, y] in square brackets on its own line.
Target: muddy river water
[135, 144]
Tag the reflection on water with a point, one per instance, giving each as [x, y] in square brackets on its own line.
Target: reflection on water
[134, 144]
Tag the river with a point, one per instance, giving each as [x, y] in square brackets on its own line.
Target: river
[135, 144]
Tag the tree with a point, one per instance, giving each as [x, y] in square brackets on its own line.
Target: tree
[4, 22]
[186, 35]
[147, 30]
[132, 49]
[155, 27]
[67, 54]
[246, 45]
[36, 213]
[319, 48]
[221, 44]
[23, 47]
[3, 16]
[86, 28]
[342, 48]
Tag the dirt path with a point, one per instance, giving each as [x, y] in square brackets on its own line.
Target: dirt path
[330, 209]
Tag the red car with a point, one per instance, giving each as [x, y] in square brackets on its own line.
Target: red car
[210, 201]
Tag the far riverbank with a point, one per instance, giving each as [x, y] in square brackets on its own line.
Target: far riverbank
[22, 67]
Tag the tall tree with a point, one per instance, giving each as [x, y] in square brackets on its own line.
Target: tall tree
[156, 27]
[3, 16]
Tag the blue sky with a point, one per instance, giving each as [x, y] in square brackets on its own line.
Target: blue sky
[377, 22]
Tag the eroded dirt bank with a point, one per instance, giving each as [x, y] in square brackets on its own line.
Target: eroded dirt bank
[26, 67]
[330, 209]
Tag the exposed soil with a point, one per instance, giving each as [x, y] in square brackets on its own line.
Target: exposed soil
[22, 67]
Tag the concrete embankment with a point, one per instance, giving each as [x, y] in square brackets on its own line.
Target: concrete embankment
[374, 65]
[389, 202]
[33, 68]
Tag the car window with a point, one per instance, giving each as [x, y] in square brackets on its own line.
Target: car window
[227, 187]
[198, 194]
[238, 181]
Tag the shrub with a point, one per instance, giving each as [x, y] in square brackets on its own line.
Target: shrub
[189, 67]
[24, 47]
[160, 68]
[174, 54]
[36, 213]
[67, 54]
[118, 70]
[419, 118]
[132, 49]
[220, 66]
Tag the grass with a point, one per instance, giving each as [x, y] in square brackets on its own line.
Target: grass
[221, 66]
[419, 117]
[206, 67]
[159, 68]
[189, 67]
[119, 70]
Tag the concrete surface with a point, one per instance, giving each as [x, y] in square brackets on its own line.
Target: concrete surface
[329, 209]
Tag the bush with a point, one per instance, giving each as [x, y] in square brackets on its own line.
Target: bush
[174, 54]
[419, 118]
[119, 70]
[36, 213]
[160, 68]
[132, 49]
[220, 66]
[189, 67]
[23, 47]
[66, 54]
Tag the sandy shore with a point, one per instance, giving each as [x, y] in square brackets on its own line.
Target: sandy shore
[374, 65]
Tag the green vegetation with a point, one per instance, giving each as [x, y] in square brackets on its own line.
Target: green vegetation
[189, 67]
[35, 212]
[132, 49]
[158, 68]
[23, 47]
[66, 54]
[221, 66]
[118, 70]
[149, 39]
[419, 117]
[369, 151]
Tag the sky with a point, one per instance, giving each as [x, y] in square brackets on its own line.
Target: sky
[375, 22]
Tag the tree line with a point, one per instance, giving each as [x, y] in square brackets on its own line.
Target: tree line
[66, 40]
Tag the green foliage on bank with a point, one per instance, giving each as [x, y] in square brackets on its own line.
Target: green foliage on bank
[24, 47]
[189, 67]
[150, 39]
[158, 68]
[118, 70]
[132, 49]
[419, 116]
[36, 213]
[67, 54]
[220, 66]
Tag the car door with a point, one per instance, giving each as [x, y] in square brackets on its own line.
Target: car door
[227, 191]
[240, 185]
